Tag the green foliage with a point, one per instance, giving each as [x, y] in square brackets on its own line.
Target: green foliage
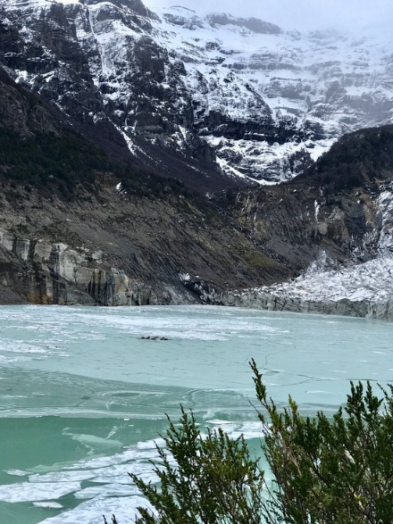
[336, 470]
[214, 479]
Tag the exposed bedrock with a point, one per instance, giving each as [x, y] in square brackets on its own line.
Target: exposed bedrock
[45, 273]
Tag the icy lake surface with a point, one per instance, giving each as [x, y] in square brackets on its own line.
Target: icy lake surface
[82, 396]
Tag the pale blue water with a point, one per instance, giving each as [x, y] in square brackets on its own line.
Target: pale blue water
[82, 396]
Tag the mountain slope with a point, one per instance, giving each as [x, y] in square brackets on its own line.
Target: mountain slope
[119, 129]
[79, 226]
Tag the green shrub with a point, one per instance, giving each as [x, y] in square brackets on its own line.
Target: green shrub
[336, 470]
[214, 479]
[331, 470]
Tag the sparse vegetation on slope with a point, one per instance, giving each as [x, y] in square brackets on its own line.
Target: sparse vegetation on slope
[356, 160]
[68, 163]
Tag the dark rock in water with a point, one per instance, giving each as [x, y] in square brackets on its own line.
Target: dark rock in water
[154, 338]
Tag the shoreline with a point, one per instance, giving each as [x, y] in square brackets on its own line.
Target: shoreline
[249, 299]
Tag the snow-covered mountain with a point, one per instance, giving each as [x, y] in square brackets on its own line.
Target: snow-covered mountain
[83, 223]
[217, 92]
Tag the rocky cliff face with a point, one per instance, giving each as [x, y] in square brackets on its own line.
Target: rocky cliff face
[199, 96]
[119, 250]
[55, 273]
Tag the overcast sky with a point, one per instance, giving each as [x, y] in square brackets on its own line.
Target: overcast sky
[300, 14]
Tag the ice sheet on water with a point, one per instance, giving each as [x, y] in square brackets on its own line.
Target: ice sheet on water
[19, 346]
[57, 477]
[9, 360]
[116, 495]
[108, 490]
[59, 335]
[142, 451]
[115, 492]
[188, 327]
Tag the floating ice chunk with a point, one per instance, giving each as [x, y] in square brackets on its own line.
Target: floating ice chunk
[17, 472]
[151, 444]
[93, 441]
[48, 505]
[36, 492]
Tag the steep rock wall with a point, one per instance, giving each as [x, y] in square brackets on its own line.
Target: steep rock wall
[46, 273]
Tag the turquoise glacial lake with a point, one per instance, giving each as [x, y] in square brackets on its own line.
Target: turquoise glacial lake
[83, 397]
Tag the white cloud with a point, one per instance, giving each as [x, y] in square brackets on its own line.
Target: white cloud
[296, 14]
